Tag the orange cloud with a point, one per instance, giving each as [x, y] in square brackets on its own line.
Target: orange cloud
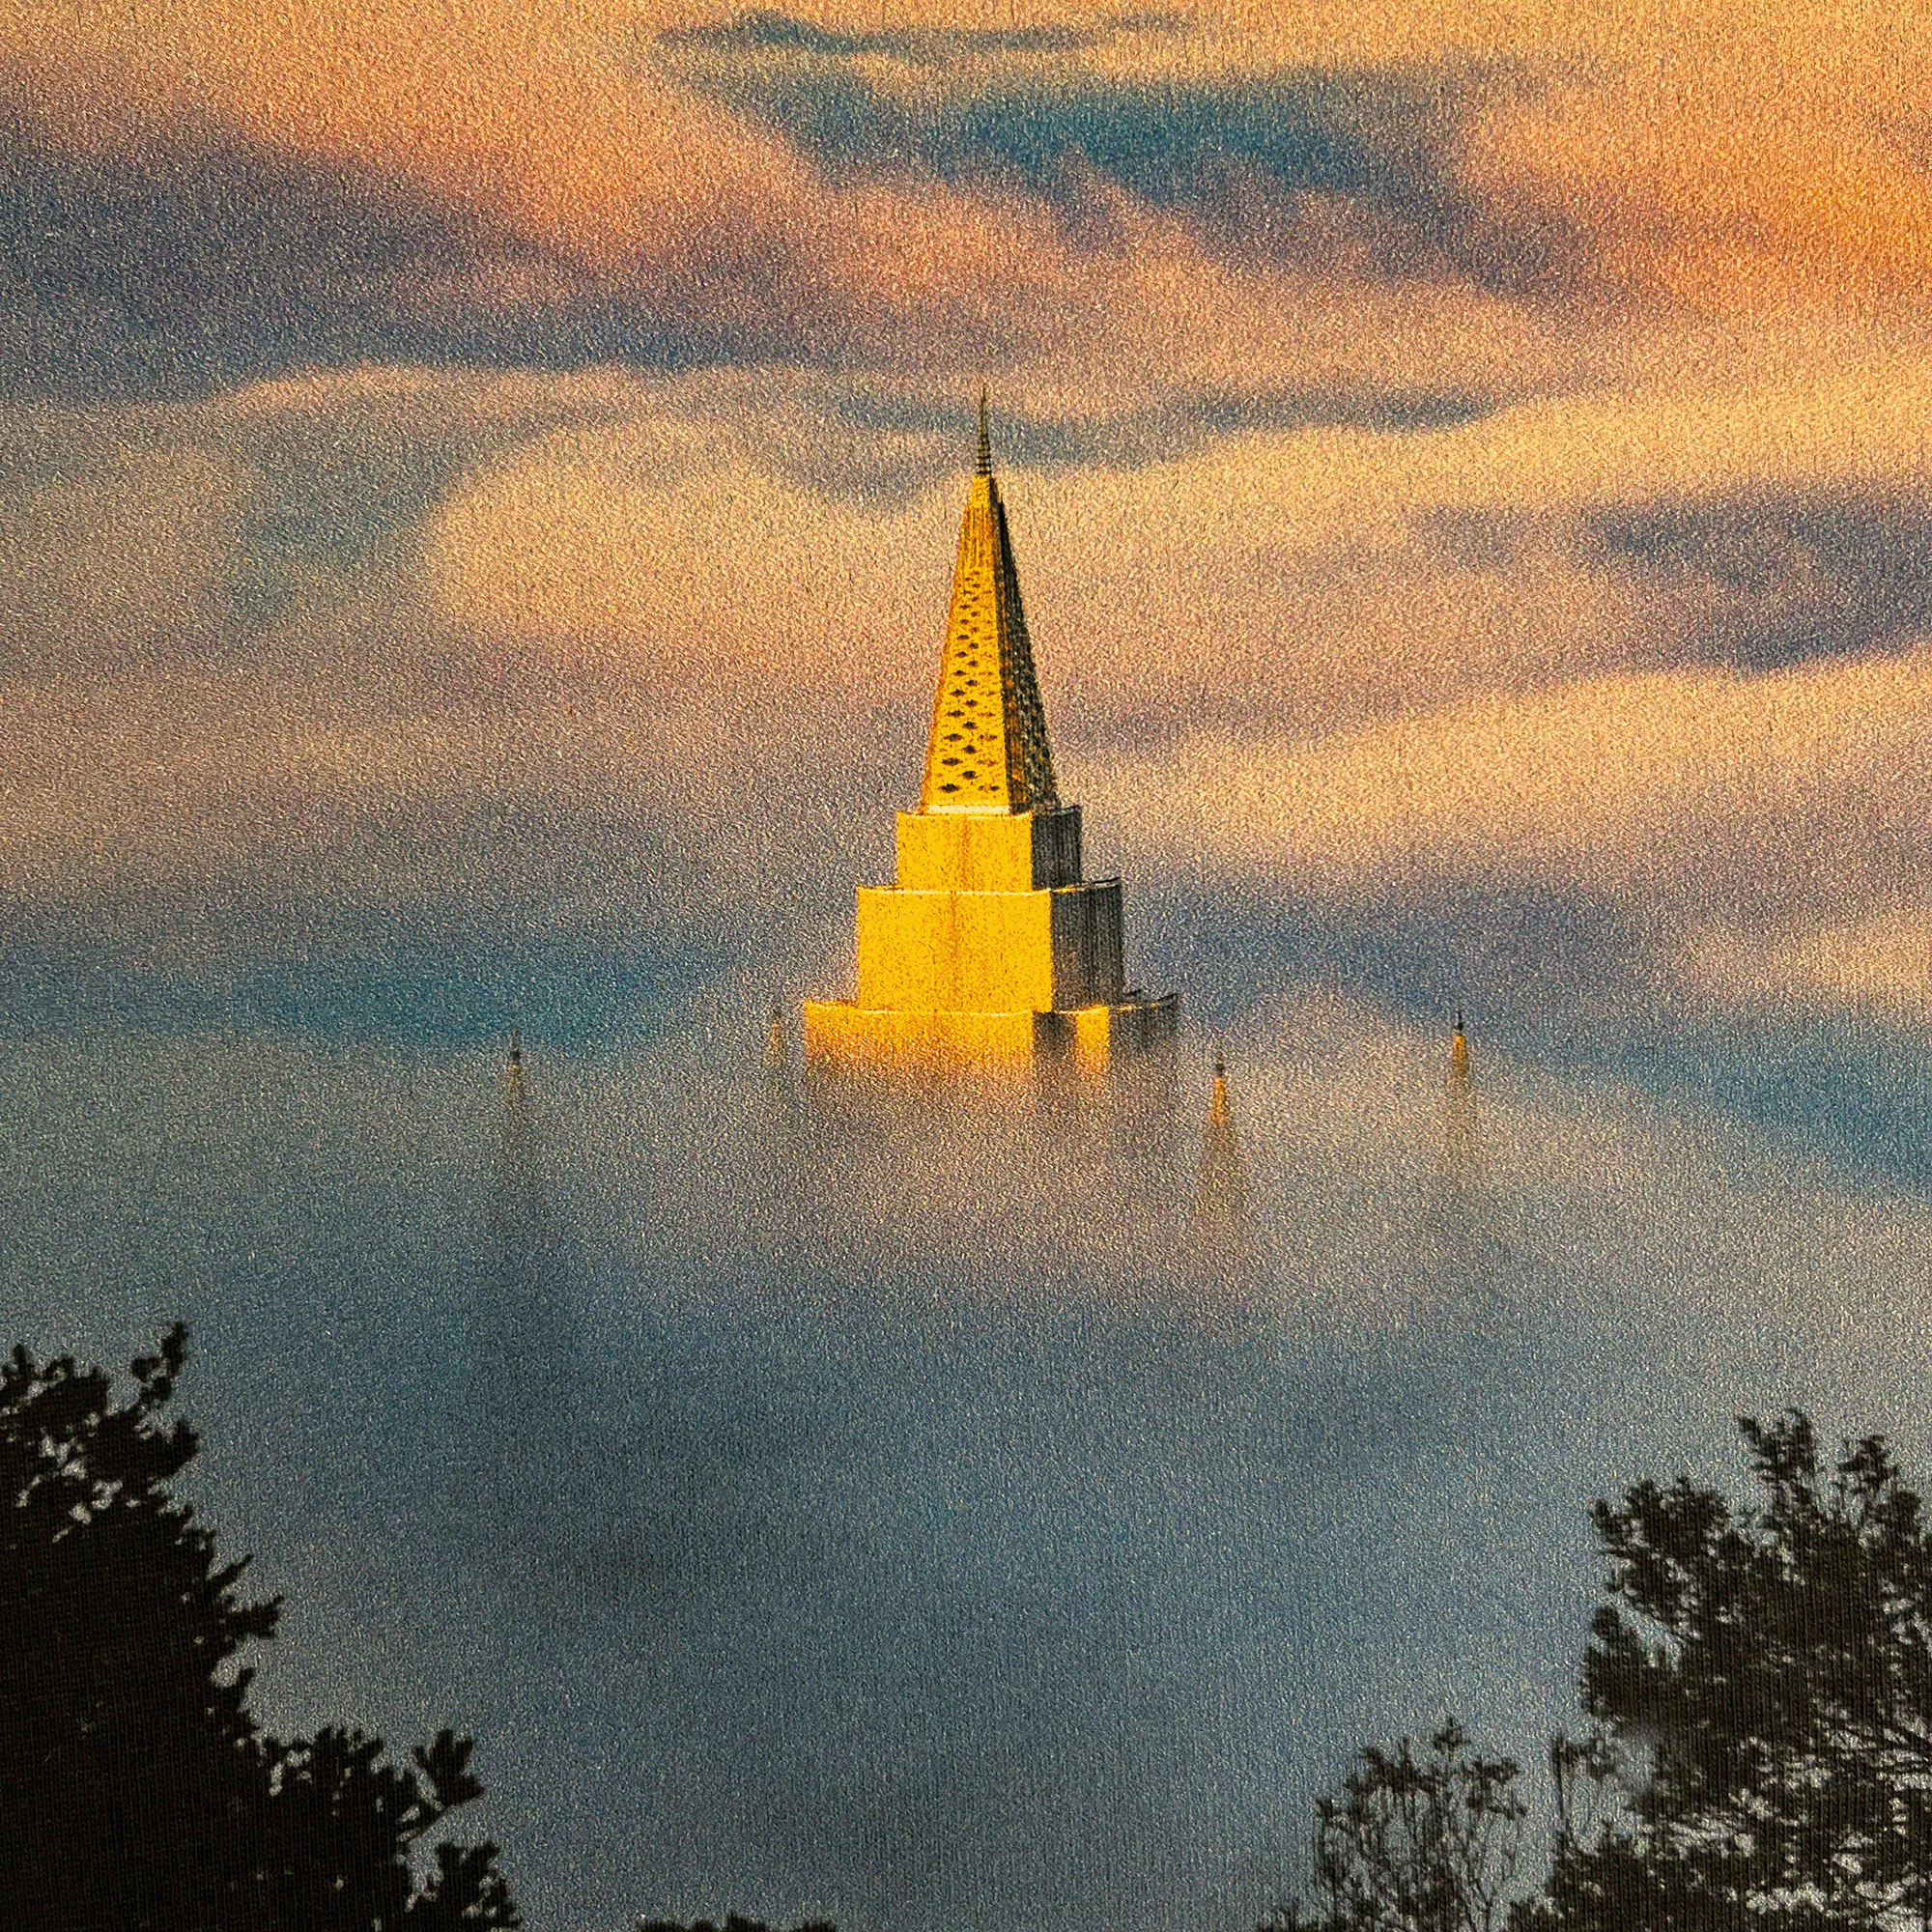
[1761, 832]
[1881, 963]
[1719, 157]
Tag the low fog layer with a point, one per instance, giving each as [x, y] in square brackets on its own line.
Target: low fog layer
[886, 1526]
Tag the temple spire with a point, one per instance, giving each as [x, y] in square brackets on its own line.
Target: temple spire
[517, 1210]
[516, 1104]
[1458, 1121]
[990, 953]
[1221, 1198]
[989, 748]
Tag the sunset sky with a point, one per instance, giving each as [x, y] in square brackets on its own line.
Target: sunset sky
[477, 487]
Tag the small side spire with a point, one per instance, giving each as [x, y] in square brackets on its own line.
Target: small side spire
[516, 1417]
[782, 1091]
[1221, 1196]
[985, 466]
[518, 1189]
[1458, 1114]
[516, 1103]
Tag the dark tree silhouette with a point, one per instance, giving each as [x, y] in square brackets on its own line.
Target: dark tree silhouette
[733, 1923]
[1767, 1674]
[136, 1790]
[1414, 1844]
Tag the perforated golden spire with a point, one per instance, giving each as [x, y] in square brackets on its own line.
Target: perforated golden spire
[988, 749]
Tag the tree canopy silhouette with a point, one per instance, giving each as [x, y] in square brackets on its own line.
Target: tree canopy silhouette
[1415, 1844]
[136, 1790]
[1768, 1674]
[733, 1922]
[1761, 1761]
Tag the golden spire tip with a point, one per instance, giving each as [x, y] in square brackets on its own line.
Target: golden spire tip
[985, 462]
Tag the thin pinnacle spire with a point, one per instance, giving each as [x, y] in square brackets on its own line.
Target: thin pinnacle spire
[985, 466]
[517, 1186]
[1221, 1192]
[1458, 1121]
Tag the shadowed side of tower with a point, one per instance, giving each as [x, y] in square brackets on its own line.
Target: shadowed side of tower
[990, 952]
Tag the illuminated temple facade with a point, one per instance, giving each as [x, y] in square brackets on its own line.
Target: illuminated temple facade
[990, 953]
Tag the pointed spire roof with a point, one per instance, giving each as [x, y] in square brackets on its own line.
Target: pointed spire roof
[988, 749]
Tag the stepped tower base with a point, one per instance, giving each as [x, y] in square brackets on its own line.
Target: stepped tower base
[844, 1038]
[991, 954]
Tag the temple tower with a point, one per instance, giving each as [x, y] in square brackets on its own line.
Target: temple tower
[991, 954]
